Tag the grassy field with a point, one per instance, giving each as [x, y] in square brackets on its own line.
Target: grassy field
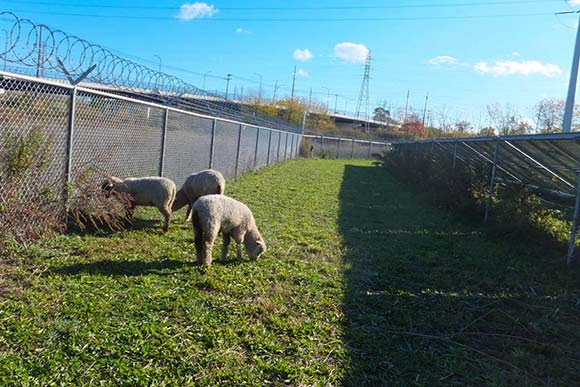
[363, 283]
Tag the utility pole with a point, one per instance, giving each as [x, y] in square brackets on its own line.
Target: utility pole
[363, 97]
[293, 83]
[275, 90]
[406, 107]
[569, 112]
[335, 102]
[228, 79]
[260, 89]
[158, 57]
[310, 99]
[235, 90]
[425, 108]
[242, 93]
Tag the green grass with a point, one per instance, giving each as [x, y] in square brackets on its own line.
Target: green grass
[363, 283]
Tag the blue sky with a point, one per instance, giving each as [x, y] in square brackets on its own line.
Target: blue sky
[426, 46]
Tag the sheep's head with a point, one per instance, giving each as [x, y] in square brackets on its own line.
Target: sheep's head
[109, 184]
[255, 245]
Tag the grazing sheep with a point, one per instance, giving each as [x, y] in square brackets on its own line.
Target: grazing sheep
[146, 191]
[213, 214]
[207, 182]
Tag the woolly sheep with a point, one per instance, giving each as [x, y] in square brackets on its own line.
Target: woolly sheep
[213, 214]
[206, 182]
[146, 191]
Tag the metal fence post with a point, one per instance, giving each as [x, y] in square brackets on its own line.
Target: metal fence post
[352, 149]
[491, 183]
[269, 146]
[238, 150]
[212, 143]
[370, 146]
[256, 149]
[338, 148]
[572, 245]
[278, 150]
[163, 140]
[455, 154]
[286, 147]
[321, 145]
[291, 146]
[70, 138]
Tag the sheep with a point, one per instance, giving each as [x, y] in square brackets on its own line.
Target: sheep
[212, 214]
[199, 184]
[146, 191]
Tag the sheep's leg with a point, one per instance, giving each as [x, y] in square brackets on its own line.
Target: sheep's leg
[198, 244]
[167, 215]
[188, 213]
[206, 251]
[225, 246]
[239, 255]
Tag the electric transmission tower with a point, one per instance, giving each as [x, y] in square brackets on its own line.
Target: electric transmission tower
[363, 98]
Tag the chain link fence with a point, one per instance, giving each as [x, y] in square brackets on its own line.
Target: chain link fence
[87, 129]
[341, 148]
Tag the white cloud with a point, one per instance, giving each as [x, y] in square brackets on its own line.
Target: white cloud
[302, 73]
[508, 67]
[189, 11]
[574, 2]
[443, 60]
[303, 55]
[351, 52]
[242, 30]
[517, 54]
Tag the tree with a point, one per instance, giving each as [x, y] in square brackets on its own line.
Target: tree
[381, 114]
[506, 119]
[414, 129]
[550, 114]
[463, 126]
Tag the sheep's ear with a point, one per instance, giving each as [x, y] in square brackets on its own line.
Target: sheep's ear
[262, 245]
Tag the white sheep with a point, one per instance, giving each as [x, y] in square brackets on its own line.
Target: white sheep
[206, 182]
[213, 214]
[146, 191]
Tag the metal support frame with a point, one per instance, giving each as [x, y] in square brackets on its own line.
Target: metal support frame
[256, 148]
[238, 150]
[352, 149]
[491, 183]
[163, 141]
[212, 143]
[370, 148]
[569, 109]
[269, 147]
[572, 245]
[338, 148]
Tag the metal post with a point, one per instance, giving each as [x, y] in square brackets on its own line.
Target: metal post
[352, 149]
[278, 151]
[455, 154]
[269, 145]
[338, 149]
[256, 149]
[286, 147]
[238, 151]
[491, 183]
[292, 147]
[40, 58]
[569, 112]
[321, 145]
[575, 221]
[370, 146]
[70, 135]
[163, 140]
[212, 143]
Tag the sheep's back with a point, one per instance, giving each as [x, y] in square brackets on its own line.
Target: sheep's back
[151, 191]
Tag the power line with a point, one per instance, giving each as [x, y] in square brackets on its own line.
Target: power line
[311, 8]
[300, 20]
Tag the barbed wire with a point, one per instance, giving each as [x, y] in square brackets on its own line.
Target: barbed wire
[37, 49]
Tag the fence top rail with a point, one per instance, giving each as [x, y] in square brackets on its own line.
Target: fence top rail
[318, 136]
[63, 85]
[525, 137]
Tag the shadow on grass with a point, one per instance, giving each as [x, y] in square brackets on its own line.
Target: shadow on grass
[138, 224]
[432, 299]
[124, 268]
